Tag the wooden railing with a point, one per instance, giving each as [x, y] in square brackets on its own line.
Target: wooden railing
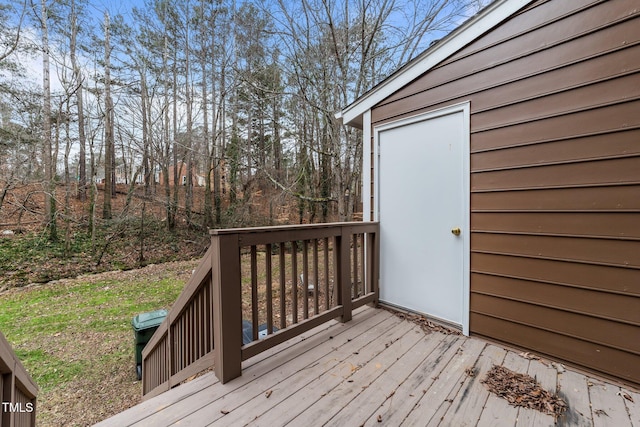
[18, 391]
[267, 284]
[183, 344]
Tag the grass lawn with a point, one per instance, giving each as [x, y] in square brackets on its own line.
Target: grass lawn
[75, 338]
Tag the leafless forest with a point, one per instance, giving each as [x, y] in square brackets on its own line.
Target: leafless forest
[158, 98]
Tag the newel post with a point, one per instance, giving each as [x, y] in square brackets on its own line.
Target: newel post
[344, 268]
[227, 306]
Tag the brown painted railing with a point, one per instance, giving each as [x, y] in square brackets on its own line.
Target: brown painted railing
[271, 284]
[18, 391]
[183, 344]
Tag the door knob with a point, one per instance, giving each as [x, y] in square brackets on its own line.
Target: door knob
[455, 231]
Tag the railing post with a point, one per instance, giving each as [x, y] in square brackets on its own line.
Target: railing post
[8, 395]
[344, 272]
[375, 267]
[227, 306]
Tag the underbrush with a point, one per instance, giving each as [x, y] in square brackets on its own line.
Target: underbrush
[116, 245]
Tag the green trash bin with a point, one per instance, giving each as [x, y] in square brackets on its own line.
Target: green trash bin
[144, 326]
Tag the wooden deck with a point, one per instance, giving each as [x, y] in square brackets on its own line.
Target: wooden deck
[380, 370]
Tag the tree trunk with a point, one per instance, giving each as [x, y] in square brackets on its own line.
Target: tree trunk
[146, 136]
[208, 161]
[109, 156]
[49, 161]
[77, 77]
[188, 198]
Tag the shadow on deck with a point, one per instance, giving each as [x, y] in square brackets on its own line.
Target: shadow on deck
[379, 370]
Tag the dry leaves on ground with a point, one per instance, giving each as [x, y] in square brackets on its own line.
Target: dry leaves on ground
[427, 325]
[523, 390]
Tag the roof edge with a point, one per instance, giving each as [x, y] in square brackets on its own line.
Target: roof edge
[492, 15]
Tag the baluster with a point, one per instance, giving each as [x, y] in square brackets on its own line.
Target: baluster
[269, 291]
[254, 292]
[354, 239]
[326, 273]
[294, 281]
[283, 295]
[365, 288]
[305, 277]
[187, 338]
[316, 277]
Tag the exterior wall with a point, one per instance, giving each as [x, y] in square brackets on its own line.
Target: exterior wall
[555, 178]
[196, 179]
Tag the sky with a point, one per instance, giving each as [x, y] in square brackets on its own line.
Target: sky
[96, 9]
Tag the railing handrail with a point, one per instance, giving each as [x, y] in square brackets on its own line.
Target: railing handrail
[213, 294]
[11, 369]
[372, 225]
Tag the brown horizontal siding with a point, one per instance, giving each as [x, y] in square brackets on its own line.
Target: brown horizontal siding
[566, 323]
[582, 174]
[622, 253]
[522, 22]
[511, 62]
[595, 147]
[607, 92]
[585, 224]
[623, 281]
[556, 78]
[555, 178]
[519, 80]
[586, 302]
[604, 359]
[585, 199]
[596, 121]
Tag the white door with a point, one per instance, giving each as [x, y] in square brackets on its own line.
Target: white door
[423, 212]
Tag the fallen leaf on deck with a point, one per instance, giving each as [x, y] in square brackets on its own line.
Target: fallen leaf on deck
[268, 394]
[522, 390]
[626, 396]
[425, 324]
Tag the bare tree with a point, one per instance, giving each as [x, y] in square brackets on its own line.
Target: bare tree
[79, 81]
[109, 137]
[10, 34]
[49, 159]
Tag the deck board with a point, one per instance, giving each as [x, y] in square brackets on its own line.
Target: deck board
[357, 380]
[547, 376]
[572, 387]
[249, 400]
[377, 370]
[325, 383]
[633, 407]
[371, 398]
[496, 409]
[437, 400]
[468, 405]
[607, 405]
[301, 388]
[397, 405]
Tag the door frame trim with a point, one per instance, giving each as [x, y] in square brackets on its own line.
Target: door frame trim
[465, 109]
